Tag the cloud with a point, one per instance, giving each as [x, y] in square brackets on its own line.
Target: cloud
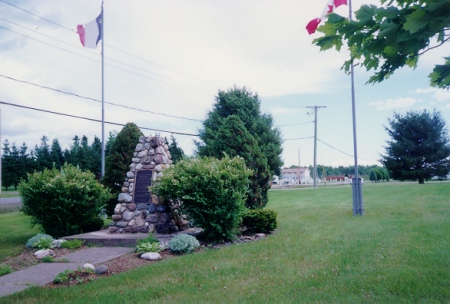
[439, 95]
[398, 103]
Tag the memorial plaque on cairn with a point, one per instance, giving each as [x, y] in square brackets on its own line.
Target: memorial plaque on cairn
[142, 182]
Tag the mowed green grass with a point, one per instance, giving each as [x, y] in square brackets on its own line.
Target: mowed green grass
[398, 252]
[15, 230]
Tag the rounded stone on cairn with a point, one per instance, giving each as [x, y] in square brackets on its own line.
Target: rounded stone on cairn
[131, 229]
[142, 153]
[143, 229]
[139, 221]
[125, 198]
[130, 174]
[152, 218]
[116, 217]
[124, 189]
[131, 207]
[117, 208]
[131, 187]
[139, 147]
[155, 200]
[128, 216]
[151, 208]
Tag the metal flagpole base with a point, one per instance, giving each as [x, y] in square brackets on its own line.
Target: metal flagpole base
[357, 197]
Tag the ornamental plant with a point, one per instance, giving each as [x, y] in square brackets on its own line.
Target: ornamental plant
[63, 202]
[32, 242]
[183, 243]
[260, 220]
[212, 193]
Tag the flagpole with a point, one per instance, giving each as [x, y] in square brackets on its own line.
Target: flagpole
[356, 182]
[103, 95]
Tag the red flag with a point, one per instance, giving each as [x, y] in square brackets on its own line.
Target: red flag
[312, 25]
[329, 8]
[338, 3]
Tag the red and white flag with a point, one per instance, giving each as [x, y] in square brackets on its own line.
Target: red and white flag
[91, 33]
[329, 8]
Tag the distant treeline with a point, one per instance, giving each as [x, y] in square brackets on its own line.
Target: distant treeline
[363, 171]
[18, 161]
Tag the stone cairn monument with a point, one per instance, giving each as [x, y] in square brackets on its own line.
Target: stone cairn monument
[139, 210]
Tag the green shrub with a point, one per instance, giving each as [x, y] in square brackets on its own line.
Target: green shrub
[72, 244]
[48, 259]
[212, 193]
[4, 269]
[183, 243]
[93, 224]
[150, 239]
[260, 220]
[144, 247]
[63, 202]
[43, 243]
[31, 243]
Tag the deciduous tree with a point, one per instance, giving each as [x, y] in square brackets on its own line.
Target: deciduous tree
[386, 38]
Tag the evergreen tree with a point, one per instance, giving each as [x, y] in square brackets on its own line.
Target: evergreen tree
[7, 166]
[118, 161]
[74, 155]
[42, 153]
[56, 154]
[233, 139]
[175, 151]
[246, 106]
[84, 153]
[95, 156]
[419, 147]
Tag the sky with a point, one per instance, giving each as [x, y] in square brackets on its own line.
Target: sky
[165, 61]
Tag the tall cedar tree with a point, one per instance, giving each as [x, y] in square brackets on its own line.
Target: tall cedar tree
[175, 151]
[245, 105]
[233, 139]
[118, 161]
[419, 147]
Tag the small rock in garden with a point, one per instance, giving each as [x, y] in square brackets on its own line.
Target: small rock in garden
[57, 243]
[152, 256]
[260, 235]
[101, 269]
[88, 266]
[40, 254]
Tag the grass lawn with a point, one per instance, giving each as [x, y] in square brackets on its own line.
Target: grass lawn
[14, 233]
[398, 252]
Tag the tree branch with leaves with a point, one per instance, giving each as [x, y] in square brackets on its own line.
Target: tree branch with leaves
[386, 38]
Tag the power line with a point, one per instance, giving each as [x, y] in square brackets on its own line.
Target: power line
[129, 54]
[91, 119]
[115, 67]
[339, 150]
[299, 138]
[295, 124]
[19, 8]
[96, 100]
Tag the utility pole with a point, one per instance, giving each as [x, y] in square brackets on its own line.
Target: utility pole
[315, 142]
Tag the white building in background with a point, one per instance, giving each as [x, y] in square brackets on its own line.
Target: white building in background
[296, 176]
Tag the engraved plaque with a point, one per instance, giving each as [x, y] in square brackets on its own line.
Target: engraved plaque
[142, 181]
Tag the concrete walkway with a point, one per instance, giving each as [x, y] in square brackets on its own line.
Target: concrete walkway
[44, 273]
